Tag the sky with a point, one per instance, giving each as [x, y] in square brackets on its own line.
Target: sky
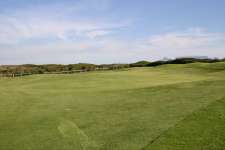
[109, 31]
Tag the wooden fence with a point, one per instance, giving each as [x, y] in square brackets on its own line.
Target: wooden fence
[14, 74]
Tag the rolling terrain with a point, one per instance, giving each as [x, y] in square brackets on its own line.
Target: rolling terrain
[177, 107]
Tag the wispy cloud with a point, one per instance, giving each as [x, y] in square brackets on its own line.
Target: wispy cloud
[73, 31]
[189, 39]
[13, 29]
[190, 42]
[62, 21]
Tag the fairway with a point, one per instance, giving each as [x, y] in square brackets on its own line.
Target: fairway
[170, 107]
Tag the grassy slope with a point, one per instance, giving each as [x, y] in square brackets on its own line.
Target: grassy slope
[104, 110]
[204, 129]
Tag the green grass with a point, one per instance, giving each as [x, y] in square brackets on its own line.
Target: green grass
[204, 129]
[167, 107]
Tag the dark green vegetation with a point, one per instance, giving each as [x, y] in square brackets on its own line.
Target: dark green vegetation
[29, 69]
[185, 60]
[140, 64]
[150, 108]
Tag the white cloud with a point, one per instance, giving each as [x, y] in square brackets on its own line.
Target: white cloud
[192, 38]
[79, 40]
[13, 30]
[46, 34]
[110, 50]
[58, 20]
[93, 50]
[191, 42]
[97, 33]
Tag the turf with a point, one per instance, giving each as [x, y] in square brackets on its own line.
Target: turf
[204, 129]
[167, 107]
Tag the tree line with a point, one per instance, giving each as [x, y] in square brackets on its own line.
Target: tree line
[28, 69]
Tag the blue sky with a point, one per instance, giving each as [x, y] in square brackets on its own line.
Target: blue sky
[109, 31]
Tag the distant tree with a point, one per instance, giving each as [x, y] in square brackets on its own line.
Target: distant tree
[140, 64]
